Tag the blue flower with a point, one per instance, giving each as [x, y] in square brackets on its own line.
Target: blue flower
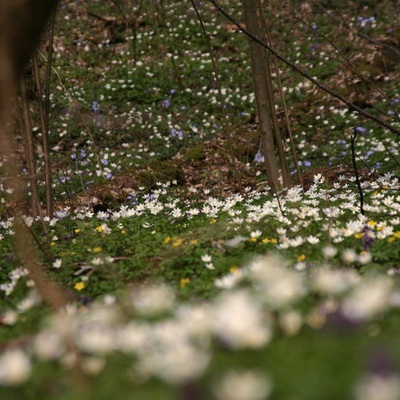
[259, 158]
[361, 130]
[176, 133]
[96, 107]
[367, 240]
[166, 103]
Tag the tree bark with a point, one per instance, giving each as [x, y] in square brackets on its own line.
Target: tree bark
[259, 69]
[21, 25]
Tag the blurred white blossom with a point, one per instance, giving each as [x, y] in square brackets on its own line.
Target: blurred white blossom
[15, 367]
[369, 298]
[153, 300]
[243, 385]
[377, 387]
[279, 286]
[239, 321]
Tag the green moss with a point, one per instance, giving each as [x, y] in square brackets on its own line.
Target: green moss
[195, 153]
[164, 171]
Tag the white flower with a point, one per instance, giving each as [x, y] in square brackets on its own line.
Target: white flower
[312, 240]
[368, 299]
[349, 256]
[95, 338]
[329, 251]
[57, 263]
[153, 300]
[206, 258]
[234, 242]
[48, 344]
[281, 231]
[255, 234]
[243, 385]
[365, 257]
[230, 280]
[133, 337]
[28, 302]
[296, 242]
[175, 363]
[97, 261]
[176, 213]
[377, 387]
[238, 320]
[278, 285]
[93, 365]
[15, 367]
[28, 220]
[318, 179]
[290, 322]
[209, 266]
[333, 282]
[194, 320]
[10, 317]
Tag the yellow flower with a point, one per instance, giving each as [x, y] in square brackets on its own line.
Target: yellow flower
[253, 239]
[266, 240]
[213, 221]
[371, 223]
[97, 249]
[391, 239]
[167, 240]
[77, 230]
[177, 242]
[123, 231]
[79, 286]
[301, 257]
[233, 269]
[275, 241]
[184, 282]
[194, 241]
[359, 235]
[396, 234]
[99, 229]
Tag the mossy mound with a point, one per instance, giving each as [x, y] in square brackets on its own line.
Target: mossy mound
[162, 171]
[195, 153]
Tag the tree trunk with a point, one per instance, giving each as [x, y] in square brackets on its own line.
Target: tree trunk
[259, 68]
[21, 25]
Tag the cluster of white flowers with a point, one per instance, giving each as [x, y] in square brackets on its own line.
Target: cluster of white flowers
[174, 341]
